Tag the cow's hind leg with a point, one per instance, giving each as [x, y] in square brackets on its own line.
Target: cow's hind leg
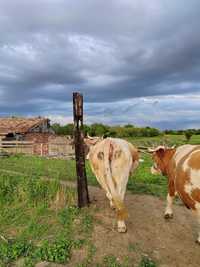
[122, 216]
[122, 213]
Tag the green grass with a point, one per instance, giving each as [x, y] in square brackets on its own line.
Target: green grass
[33, 227]
[167, 139]
[142, 181]
[36, 166]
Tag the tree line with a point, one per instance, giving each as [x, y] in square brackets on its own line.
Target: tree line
[129, 130]
[98, 129]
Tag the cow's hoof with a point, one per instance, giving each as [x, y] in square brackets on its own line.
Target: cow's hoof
[168, 216]
[122, 229]
[112, 205]
[197, 242]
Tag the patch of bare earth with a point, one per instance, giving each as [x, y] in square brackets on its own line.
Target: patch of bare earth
[168, 243]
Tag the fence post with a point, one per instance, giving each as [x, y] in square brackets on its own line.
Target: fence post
[83, 196]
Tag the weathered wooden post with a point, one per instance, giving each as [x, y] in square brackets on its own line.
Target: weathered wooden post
[83, 196]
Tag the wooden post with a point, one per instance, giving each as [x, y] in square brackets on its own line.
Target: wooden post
[83, 196]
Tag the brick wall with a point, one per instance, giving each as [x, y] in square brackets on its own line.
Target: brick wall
[50, 144]
[40, 142]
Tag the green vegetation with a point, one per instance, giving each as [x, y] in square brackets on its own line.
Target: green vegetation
[37, 223]
[98, 129]
[188, 135]
[126, 131]
[142, 181]
[147, 262]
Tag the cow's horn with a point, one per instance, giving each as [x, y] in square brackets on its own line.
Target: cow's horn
[89, 137]
[151, 150]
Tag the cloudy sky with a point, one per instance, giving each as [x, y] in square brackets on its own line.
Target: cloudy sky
[135, 61]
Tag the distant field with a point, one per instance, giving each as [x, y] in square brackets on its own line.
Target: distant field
[168, 139]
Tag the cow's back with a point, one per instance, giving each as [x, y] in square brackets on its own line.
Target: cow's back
[181, 152]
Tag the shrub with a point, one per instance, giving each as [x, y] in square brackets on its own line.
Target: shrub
[188, 134]
[147, 262]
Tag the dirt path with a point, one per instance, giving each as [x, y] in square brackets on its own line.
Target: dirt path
[170, 244]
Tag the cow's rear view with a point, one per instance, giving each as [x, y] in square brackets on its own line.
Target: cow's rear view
[112, 160]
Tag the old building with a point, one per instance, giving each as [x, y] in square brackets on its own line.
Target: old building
[36, 131]
[15, 128]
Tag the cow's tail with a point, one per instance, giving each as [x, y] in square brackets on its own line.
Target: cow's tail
[122, 213]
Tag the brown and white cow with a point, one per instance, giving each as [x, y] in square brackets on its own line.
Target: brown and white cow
[112, 160]
[182, 167]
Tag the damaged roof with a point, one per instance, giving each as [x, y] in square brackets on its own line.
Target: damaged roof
[19, 125]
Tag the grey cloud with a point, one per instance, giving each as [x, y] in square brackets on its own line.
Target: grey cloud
[109, 50]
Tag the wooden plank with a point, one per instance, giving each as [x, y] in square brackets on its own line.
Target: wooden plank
[60, 144]
[17, 142]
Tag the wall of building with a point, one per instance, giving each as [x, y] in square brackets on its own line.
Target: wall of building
[40, 142]
[43, 127]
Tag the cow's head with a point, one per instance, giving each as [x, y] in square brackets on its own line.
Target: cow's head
[90, 142]
[161, 158]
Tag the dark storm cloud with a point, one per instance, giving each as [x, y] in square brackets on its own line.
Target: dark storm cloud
[109, 50]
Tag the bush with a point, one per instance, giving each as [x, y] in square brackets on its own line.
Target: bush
[147, 262]
[188, 134]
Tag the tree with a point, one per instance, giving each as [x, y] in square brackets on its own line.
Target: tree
[63, 130]
[188, 134]
[98, 129]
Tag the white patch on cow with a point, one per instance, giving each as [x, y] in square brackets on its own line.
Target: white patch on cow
[195, 178]
[197, 207]
[194, 181]
[181, 152]
[185, 165]
[188, 188]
